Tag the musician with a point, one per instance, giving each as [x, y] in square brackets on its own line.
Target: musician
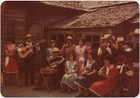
[133, 89]
[104, 49]
[29, 60]
[10, 64]
[55, 62]
[118, 56]
[89, 75]
[49, 50]
[68, 48]
[101, 88]
[125, 69]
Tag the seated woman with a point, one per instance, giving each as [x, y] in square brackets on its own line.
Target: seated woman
[71, 69]
[89, 75]
[101, 88]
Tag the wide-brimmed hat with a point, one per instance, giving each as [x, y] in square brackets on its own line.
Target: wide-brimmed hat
[55, 50]
[135, 33]
[105, 36]
[69, 37]
[120, 39]
[28, 35]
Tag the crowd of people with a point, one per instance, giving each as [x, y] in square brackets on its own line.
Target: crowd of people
[77, 68]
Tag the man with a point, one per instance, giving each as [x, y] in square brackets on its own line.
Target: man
[56, 62]
[118, 56]
[29, 60]
[126, 68]
[67, 48]
[104, 49]
[133, 90]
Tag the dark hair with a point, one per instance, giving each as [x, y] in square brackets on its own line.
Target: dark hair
[136, 35]
[83, 40]
[92, 53]
[129, 43]
[72, 55]
[53, 41]
[110, 58]
[9, 39]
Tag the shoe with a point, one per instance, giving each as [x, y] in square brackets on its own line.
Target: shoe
[19, 85]
[69, 92]
[36, 88]
[26, 85]
[79, 95]
[33, 84]
[63, 91]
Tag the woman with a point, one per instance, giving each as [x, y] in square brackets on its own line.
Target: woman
[80, 52]
[10, 66]
[89, 75]
[101, 88]
[49, 50]
[71, 69]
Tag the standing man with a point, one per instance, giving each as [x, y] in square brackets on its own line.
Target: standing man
[29, 60]
[67, 48]
[133, 89]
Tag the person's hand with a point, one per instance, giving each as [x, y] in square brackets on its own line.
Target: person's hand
[37, 44]
[100, 73]
[115, 46]
[47, 67]
[129, 73]
[23, 51]
[68, 73]
[54, 66]
[85, 73]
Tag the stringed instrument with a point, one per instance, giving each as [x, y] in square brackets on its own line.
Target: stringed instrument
[28, 49]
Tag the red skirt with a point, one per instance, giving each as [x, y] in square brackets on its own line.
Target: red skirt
[12, 66]
[101, 88]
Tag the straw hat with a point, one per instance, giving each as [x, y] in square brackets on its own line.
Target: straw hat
[69, 37]
[55, 50]
[120, 39]
[28, 35]
[105, 36]
[135, 33]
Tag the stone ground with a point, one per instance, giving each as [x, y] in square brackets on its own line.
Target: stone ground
[15, 91]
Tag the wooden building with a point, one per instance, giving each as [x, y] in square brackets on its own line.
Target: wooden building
[58, 19]
[117, 20]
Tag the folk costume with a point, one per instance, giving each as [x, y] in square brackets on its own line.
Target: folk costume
[59, 61]
[10, 65]
[67, 48]
[28, 61]
[86, 80]
[81, 53]
[101, 88]
[69, 79]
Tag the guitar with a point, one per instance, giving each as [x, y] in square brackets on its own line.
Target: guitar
[29, 49]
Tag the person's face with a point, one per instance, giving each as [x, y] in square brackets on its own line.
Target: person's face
[89, 56]
[106, 62]
[81, 43]
[120, 44]
[135, 40]
[71, 57]
[29, 39]
[105, 40]
[125, 47]
[55, 54]
[9, 42]
[52, 44]
[69, 41]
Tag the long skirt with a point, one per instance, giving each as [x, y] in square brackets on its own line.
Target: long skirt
[69, 81]
[125, 79]
[85, 81]
[101, 88]
[133, 90]
[12, 66]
